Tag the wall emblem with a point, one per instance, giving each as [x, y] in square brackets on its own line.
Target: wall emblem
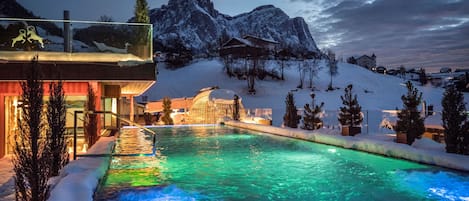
[29, 35]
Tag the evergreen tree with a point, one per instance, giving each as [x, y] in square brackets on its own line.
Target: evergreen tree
[167, 111]
[56, 114]
[454, 120]
[236, 108]
[311, 118]
[31, 154]
[141, 16]
[409, 120]
[350, 114]
[465, 141]
[91, 120]
[351, 60]
[291, 117]
[141, 12]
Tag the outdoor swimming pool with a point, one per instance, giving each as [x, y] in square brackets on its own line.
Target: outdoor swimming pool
[225, 163]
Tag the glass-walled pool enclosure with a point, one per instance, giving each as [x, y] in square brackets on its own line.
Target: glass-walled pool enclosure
[69, 40]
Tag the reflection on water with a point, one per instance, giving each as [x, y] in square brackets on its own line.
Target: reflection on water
[223, 163]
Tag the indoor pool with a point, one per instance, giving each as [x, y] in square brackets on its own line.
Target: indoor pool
[225, 163]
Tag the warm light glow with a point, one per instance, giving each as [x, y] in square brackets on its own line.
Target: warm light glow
[114, 105]
[85, 148]
[79, 57]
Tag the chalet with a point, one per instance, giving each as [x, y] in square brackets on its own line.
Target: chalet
[367, 61]
[116, 75]
[248, 46]
[271, 45]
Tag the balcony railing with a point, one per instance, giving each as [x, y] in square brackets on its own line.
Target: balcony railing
[69, 40]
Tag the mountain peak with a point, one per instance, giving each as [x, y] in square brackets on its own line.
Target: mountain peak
[198, 26]
[188, 5]
[265, 7]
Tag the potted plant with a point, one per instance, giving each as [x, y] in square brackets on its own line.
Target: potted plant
[350, 116]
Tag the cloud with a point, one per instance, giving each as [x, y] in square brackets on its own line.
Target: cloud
[417, 33]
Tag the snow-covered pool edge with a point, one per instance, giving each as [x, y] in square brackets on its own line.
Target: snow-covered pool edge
[79, 179]
[362, 143]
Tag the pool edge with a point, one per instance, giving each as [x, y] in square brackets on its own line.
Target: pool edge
[384, 148]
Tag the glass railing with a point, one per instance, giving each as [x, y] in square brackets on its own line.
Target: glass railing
[68, 40]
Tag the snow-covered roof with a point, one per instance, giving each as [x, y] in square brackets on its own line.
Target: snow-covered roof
[224, 96]
[262, 39]
[216, 96]
[241, 40]
[365, 57]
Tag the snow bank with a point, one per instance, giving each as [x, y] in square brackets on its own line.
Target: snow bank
[7, 182]
[79, 179]
[422, 151]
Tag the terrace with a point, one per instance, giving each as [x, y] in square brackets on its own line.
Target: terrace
[113, 58]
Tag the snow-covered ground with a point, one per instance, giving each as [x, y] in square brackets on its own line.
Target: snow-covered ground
[376, 92]
[77, 180]
[80, 178]
[7, 190]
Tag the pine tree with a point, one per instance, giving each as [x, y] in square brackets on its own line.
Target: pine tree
[141, 16]
[141, 12]
[311, 118]
[31, 154]
[409, 120]
[351, 60]
[167, 111]
[291, 117]
[454, 120]
[350, 114]
[91, 120]
[465, 141]
[56, 114]
[236, 108]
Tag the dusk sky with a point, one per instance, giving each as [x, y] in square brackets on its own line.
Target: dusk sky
[416, 33]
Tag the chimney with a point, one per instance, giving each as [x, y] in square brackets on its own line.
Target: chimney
[66, 32]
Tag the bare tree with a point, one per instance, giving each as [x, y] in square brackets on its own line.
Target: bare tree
[313, 69]
[302, 69]
[105, 18]
[284, 56]
[332, 64]
[31, 157]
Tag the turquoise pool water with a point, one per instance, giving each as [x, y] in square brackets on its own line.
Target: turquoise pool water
[224, 163]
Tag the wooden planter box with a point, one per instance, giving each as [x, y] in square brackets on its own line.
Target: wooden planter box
[351, 131]
[401, 138]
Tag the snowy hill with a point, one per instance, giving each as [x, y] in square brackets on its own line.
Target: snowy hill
[198, 26]
[383, 91]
